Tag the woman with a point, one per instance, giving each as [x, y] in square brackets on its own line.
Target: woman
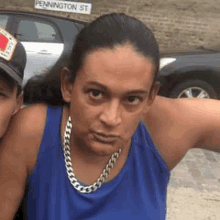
[109, 85]
[92, 157]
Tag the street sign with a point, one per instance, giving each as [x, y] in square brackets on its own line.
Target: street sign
[83, 7]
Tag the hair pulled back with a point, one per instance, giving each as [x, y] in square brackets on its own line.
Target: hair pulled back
[113, 30]
[107, 31]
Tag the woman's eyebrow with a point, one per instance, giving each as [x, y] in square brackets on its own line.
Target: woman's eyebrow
[106, 89]
[138, 91]
[101, 86]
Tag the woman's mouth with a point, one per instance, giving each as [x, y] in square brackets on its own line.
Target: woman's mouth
[105, 138]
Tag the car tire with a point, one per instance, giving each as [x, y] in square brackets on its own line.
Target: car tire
[193, 88]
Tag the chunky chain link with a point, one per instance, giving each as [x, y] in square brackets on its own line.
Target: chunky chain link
[69, 167]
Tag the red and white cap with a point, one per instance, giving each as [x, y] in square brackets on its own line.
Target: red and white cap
[12, 56]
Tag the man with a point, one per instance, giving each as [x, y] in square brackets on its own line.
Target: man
[12, 64]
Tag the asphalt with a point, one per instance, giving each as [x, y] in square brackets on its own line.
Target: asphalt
[194, 187]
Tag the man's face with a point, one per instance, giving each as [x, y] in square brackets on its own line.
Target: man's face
[9, 105]
[109, 98]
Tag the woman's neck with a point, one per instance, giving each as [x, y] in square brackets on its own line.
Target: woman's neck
[87, 165]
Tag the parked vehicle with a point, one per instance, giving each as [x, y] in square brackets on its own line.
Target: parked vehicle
[45, 38]
[188, 74]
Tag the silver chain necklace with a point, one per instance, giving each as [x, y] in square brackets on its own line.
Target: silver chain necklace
[69, 167]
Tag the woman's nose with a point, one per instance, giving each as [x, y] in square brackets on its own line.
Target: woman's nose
[111, 115]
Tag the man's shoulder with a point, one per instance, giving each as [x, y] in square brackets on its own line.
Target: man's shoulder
[30, 119]
[23, 136]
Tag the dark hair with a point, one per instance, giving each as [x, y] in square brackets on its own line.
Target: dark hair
[10, 82]
[46, 87]
[106, 31]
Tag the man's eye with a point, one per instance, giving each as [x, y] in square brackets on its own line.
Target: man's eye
[133, 100]
[95, 94]
[2, 95]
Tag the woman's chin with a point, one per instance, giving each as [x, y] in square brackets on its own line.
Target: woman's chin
[92, 145]
[104, 149]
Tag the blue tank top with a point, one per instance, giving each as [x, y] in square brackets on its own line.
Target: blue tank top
[137, 192]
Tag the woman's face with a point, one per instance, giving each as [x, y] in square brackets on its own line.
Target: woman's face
[108, 99]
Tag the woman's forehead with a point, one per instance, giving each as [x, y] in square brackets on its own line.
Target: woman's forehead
[117, 59]
[121, 51]
[117, 66]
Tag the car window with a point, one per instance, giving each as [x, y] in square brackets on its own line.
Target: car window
[80, 26]
[3, 20]
[34, 31]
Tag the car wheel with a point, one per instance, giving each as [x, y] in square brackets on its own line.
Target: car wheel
[194, 89]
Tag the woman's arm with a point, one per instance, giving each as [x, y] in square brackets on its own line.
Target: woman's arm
[210, 122]
[18, 153]
[178, 125]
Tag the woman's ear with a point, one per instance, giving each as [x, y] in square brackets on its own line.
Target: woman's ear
[66, 85]
[154, 91]
[152, 95]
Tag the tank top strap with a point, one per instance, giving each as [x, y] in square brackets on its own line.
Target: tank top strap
[52, 132]
[145, 132]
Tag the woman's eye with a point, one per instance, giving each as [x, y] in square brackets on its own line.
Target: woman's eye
[95, 94]
[133, 100]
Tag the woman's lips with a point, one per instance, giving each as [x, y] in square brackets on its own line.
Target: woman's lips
[105, 138]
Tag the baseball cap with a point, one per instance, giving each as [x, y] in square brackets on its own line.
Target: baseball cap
[12, 56]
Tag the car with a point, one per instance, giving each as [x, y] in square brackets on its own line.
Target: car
[45, 38]
[190, 73]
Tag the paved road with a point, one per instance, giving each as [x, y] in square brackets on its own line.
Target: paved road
[194, 188]
[199, 169]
